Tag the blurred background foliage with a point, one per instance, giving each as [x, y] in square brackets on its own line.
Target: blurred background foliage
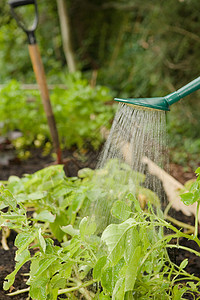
[137, 49]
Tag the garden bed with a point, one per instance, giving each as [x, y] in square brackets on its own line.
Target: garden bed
[78, 160]
[75, 161]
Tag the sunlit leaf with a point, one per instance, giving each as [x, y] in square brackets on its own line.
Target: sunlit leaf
[98, 267]
[121, 210]
[115, 237]
[45, 216]
[87, 226]
[70, 230]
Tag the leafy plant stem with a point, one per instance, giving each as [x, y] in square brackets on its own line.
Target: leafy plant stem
[72, 289]
[180, 224]
[92, 253]
[155, 246]
[82, 290]
[19, 292]
[167, 210]
[184, 248]
[186, 275]
[180, 234]
[169, 237]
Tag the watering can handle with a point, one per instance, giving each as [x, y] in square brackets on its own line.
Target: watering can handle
[16, 3]
[187, 89]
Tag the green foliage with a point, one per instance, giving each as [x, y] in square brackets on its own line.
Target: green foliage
[50, 193]
[129, 260]
[112, 189]
[21, 111]
[193, 195]
[80, 107]
[81, 111]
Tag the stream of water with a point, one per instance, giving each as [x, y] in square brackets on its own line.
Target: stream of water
[135, 134]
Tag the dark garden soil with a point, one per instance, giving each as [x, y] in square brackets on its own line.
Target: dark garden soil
[75, 161]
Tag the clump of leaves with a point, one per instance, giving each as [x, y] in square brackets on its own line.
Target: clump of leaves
[80, 107]
[129, 260]
[113, 183]
[53, 197]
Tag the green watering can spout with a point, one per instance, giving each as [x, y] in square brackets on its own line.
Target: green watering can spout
[162, 103]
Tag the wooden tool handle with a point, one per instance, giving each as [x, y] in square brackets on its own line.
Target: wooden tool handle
[41, 80]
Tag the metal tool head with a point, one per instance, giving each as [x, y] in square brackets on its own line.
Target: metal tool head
[22, 17]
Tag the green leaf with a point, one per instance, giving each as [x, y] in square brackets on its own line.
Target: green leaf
[135, 201]
[84, 270]
[13, 179]
[86, 172]
[187, 198]
[87, 227]
[98, 267]
[77, 202]
[58, 282]
[45, 216]
[60, 220]
[70, 230]
[115, 237]
[178, 292]
[13, 216]
[95, 194]
[38, 290]
[145, 237]
[9, 281]
[118, 292]
[132, 269]
[41, 241]
[23, 240]
[43, 266]
[7, 198]
[21, 259]
[128, 296]
[183, 264]
[194, 186]
[111, 275]
[197, 171]
[121, 210]
[150, 196]
[132, 241]
[37, 195]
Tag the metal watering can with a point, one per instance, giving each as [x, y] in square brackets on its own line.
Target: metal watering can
[162, 103]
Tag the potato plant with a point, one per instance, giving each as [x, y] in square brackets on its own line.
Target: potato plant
[126, 258]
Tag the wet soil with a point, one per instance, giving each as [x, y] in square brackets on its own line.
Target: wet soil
[74, 161]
